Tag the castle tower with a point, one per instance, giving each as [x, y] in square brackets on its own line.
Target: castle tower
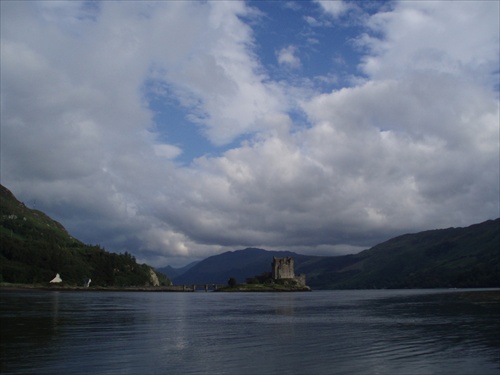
[283, 268]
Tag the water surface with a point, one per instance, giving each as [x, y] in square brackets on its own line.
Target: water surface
[322, 332]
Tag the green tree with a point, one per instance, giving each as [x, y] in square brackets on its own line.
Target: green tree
[231, 282]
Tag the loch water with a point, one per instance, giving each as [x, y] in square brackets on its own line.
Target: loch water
[322, 332]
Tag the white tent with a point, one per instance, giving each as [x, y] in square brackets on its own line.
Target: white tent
[56, 279]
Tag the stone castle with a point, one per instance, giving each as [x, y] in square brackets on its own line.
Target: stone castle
[283, 269]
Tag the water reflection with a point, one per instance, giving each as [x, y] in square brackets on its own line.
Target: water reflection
[55, 309]
[28, 326]
[353, 332]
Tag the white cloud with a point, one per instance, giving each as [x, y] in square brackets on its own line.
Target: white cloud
[222, 75]
[313, 22]
[292, 5]
[335, 8]
[413, 145]
[427, 35]
[288, 56]
[167, 151]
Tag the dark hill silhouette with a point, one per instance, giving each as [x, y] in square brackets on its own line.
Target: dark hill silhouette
[447, 258]
[442, 258]
[174, 272]
[239, 264]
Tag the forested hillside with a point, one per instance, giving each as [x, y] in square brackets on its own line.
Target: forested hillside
[445, 258]
[34, 248]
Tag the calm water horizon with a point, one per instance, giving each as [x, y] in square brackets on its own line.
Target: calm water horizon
[322, 332]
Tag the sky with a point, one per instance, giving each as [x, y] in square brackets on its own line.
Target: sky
[178, 130]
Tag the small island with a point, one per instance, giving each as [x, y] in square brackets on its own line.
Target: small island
[281, 279]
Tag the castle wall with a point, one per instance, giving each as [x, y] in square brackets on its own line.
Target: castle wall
[283, 268]
[301, 280]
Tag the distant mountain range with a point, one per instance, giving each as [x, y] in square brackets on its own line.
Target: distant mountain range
[443, 258]
[34, 248]
[239, 264]
[174, 272]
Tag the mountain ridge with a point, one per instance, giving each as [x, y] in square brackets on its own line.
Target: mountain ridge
[451, 257]
[243, 262]
[36, 247]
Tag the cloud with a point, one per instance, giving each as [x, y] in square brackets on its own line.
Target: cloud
[167, 151]
[313, 22]
[292, 5]
[287, 56]
[335, 8]
[412, 145]
[462, 39]
[220, 79]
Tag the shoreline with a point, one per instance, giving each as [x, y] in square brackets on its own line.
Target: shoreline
[480, 295]
[28, 287]
[147, 289]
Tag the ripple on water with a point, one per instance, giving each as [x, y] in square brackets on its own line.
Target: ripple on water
[354, 332]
